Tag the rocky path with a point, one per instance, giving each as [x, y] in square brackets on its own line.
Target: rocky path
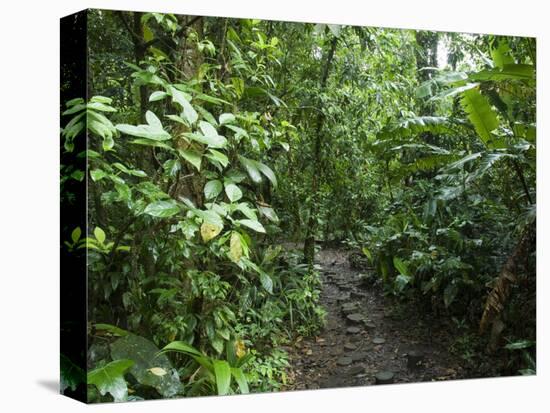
[367, 338]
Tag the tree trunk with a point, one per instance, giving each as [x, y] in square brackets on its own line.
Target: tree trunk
[500, 293]
[309, 244]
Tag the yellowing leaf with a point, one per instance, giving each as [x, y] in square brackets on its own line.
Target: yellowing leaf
[158, 371]
[240, 349]
[209, 231]
[235, 247]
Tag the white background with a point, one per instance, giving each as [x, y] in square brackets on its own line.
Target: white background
[29, 212]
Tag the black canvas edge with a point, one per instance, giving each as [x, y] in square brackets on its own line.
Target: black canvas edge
[73, 213]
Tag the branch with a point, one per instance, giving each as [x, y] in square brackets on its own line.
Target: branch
[137, 39]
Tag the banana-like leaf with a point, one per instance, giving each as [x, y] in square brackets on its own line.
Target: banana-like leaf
[508, 72]
[414, 126]
[481, 114]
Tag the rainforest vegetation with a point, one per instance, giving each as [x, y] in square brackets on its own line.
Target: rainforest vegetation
[224, 157]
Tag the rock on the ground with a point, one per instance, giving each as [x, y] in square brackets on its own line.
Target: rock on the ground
[342, 298]
[369, 325]
[353, 330]
[332, 382]
[355, 318]
[378, 340]
[349, 308]
[357, 294]
[344, 361]
[415, 360]
[358, 356]
[384, 377]
[353, 370]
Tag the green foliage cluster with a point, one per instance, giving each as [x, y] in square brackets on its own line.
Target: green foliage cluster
[213, 144]
[181, 245]
[462, 192]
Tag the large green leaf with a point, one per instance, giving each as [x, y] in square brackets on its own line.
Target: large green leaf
[189, 113]
[247, 211]
[149, 368]
[520, 345]
[153, 120]
[207, 129]
[251, 169]
[162, 209]
[110, 379]
[75, 101]
[222, 371]
[218, 157]
[233, 192]
[213, 141]
[461, 162]
[269, 213]
[266, 170]
[212, 189]
[501, 54]
[101, 99]
[111, 329]
[158, 95]
[480, 113]
[266, 282]
[226, 118]
[99, 234]
[401, 281]
[400, 265]
[255, 225]
[210, 217]
[181, 347]
[99, 106]
[255, 170]
[240, 378]
[150, 142]
[144, 131]
[508, 72]
[192, 156]
[134, 172]
[417, 125]
[454, 91]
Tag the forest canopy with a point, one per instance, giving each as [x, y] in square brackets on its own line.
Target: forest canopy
[224, 156]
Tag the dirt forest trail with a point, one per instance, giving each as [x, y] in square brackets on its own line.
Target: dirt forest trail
[363, 337]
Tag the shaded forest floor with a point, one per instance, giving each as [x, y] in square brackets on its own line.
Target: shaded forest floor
[367, 333]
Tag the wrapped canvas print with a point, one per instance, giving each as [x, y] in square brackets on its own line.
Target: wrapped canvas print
[254, 206]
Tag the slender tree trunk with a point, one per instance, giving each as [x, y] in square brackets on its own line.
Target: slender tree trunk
[139, 52]
[309, 244]
[426, 56]
[135, 30]
[521, 176]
